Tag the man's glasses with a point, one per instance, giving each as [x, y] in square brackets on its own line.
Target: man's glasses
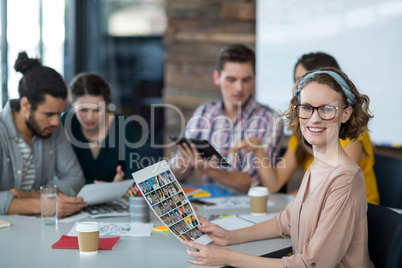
[325, 112]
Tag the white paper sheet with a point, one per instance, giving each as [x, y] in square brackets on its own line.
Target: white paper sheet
[230, 202]
[232, 223]
[259, 218]
[241, 221]
[120, 229]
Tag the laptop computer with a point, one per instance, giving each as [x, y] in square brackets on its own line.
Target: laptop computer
[104, 192]
[116, 208]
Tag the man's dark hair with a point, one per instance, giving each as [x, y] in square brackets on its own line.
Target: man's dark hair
[234, 53]
[38, 80]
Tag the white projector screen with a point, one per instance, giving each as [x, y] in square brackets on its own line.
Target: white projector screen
[365, 36]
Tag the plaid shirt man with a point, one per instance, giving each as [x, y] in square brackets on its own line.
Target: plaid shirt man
[254, 120]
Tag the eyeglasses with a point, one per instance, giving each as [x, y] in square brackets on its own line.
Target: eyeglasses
[325, 112]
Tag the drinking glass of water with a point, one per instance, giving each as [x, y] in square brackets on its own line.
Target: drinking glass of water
[48, 204]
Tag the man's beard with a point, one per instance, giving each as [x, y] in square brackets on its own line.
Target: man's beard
[33, 125]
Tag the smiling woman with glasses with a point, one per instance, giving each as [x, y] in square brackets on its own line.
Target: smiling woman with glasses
[298, 154]
[327, 221]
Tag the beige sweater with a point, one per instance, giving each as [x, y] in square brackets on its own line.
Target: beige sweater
[328, 224]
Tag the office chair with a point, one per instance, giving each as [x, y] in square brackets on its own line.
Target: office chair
[384, 236]
[388, 171]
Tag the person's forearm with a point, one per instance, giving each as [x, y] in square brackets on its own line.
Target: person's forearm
[269, 177]
[260, 231]
[23, 194]
[26, 206]
[266, 172]
[34, 194]
[239, 259]
[238, 180]
[181, 174]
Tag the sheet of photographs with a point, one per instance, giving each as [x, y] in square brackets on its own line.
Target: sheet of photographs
[167, 199]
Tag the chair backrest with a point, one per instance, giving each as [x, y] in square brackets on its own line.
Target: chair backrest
[384, 236]
[388, 171]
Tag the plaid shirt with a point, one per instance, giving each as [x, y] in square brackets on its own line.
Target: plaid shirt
[254, 120]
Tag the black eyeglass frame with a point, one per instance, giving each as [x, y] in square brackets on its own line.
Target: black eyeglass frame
[318, 111]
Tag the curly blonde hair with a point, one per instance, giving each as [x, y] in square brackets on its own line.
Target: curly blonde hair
[357, 123]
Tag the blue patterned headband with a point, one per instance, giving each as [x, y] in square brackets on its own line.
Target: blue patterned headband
[350, 97]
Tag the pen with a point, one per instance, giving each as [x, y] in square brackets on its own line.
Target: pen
[131, 193]
[137, 191]
[133, 189]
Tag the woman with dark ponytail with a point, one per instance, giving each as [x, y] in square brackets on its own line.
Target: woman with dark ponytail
[104, 142]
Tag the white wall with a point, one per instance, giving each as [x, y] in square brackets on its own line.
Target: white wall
[365, 36]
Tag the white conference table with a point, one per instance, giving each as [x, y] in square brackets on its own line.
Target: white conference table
[27, 243]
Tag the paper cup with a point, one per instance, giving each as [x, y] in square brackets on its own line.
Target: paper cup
[88, 237]
[258, 200]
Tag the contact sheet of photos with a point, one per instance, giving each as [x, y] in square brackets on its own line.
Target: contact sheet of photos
[168, 201]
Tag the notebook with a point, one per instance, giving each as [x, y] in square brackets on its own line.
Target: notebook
[116, 208]
[104, 192]
[189, 191]
[71, 242]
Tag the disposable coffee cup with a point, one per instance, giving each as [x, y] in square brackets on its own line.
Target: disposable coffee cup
[88, 237]
[138, 209]
[258, 200]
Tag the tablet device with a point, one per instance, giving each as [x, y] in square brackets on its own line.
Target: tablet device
[205, 149]
[104, 192]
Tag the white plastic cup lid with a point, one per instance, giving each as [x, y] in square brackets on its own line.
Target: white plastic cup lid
[87, 226]
[258, 191]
